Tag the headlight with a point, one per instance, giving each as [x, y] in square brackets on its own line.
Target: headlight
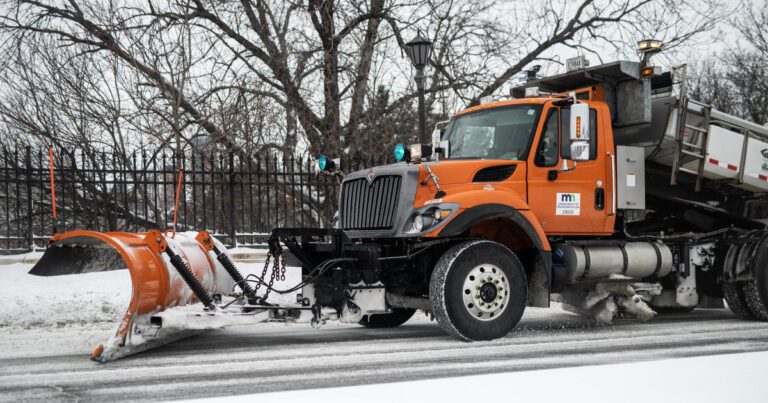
[420, 151]
[428, 218]
[418, 222]
[437, 214]
[422, 222]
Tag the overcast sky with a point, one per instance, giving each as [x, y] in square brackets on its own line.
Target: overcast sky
[706, 45]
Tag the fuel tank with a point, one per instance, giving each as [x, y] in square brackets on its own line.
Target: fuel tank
[638, 260]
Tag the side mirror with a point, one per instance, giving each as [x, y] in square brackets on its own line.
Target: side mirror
[579, 132]
[437, 134]
[444, 149]
[446, 146]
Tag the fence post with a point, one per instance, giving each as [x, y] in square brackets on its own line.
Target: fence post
[30, 221]
[232, 229]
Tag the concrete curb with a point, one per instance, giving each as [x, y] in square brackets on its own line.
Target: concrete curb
[257, 256]
[27, 258]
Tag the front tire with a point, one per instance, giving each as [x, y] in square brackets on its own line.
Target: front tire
[478, 291]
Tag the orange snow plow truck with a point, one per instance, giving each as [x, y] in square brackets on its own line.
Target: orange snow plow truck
[606, 189]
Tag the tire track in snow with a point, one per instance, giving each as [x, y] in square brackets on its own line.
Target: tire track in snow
[279, 358]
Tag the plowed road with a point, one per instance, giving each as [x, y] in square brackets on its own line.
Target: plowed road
[53, 364]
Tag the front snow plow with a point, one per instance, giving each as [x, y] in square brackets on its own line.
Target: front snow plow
[158, 284]
[185, 283]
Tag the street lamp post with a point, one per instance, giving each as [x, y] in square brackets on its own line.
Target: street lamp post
[419, 49]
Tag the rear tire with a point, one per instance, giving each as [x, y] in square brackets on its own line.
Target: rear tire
[737, 303]
[756, 296]
[749, 299]
[478, 291]
[756, 291]
[387, 320]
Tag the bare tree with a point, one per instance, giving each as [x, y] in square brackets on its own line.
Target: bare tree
[709, 82]
[322, 63]
[737, 82]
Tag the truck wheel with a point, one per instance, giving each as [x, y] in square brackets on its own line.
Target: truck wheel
[737, 303]
[394, 319]
[478, 291]
[756, 291]
[756, 300]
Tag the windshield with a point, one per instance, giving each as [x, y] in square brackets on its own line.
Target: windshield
[501, 133]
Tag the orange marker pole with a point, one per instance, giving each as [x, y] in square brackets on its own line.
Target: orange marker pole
[178, 192]
[53, 188]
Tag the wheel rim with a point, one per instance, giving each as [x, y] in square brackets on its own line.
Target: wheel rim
[486, 292]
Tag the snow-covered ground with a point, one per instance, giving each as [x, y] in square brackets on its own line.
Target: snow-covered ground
[90, 303]
[50, 325]
[716, 379]
[33, 302]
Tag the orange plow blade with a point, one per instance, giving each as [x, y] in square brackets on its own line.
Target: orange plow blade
[157, 285]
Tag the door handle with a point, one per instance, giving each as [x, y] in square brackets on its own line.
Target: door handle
[613, 183]
[552, 175]
[599, 198]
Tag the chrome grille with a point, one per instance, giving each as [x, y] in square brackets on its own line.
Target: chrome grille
[369, 205]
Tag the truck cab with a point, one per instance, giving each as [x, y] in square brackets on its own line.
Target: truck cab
[530, 138]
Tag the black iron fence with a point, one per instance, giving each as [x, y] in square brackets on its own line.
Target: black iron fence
[239, 198]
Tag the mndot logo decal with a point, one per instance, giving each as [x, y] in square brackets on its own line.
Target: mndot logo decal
[568, 204]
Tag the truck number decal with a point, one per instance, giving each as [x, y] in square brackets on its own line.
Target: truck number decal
[568, 204]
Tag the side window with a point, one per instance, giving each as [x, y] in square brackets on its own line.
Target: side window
[546, 153]
[565, 148]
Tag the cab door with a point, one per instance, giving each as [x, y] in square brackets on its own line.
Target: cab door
[569, 200]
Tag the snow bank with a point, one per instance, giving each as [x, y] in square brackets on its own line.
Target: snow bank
[34, 301]
[31, 302]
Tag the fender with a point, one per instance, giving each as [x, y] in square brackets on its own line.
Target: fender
[540, 269]
[473, 215]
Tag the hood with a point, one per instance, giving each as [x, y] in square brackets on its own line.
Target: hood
[452, 172]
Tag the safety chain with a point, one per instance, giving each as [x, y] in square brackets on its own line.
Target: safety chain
[263, 272]
[276, 261]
